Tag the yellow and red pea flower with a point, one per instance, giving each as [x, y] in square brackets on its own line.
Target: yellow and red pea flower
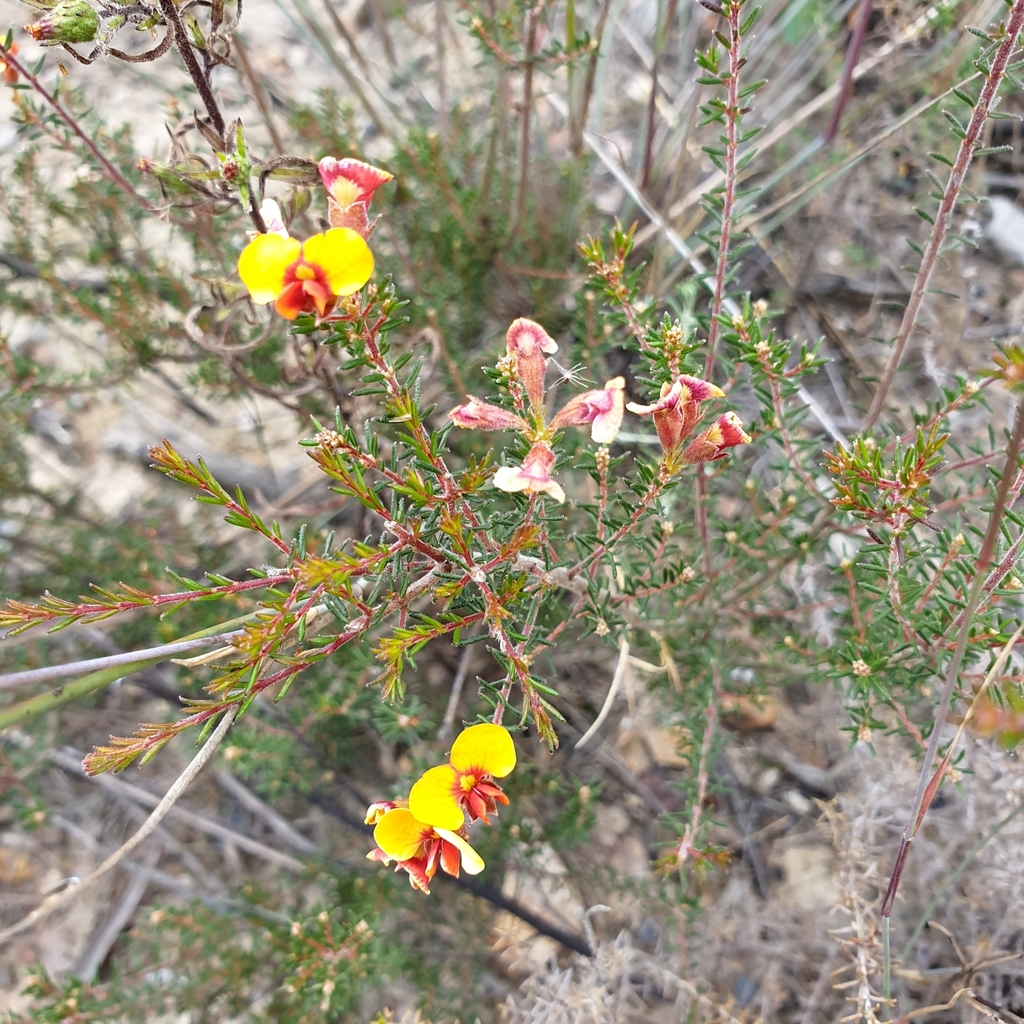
[350, 185]
[445, 795]
[305, 277]
[420, 849]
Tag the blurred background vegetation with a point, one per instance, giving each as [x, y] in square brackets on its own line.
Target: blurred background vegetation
[513, 133]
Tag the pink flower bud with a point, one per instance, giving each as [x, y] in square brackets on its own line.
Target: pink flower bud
[726, 432]
[529, 343]
[477, 415]
[351, 181]
[350, 186]
[534, 476]
[677, 411]
[271, 214]
[602, 409]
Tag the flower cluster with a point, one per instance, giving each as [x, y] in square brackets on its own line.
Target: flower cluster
[429, 830]
[676, 413]
[310, 277]
[524, 366]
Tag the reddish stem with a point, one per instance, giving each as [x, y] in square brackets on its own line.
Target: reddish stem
[111, 171]
[972, 136]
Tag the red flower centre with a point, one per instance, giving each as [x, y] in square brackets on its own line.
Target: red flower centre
[478, 794]
[306, 290]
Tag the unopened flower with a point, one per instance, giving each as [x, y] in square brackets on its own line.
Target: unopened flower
[861, 668]
[484, 416]
[726, 432]
[533, 476]
[350, 186]
[72, 21]
[446, 794]
[603, 410]
[677, 410]
[305, 277]
[419, 849]
[528, 342]
[378, 809]
[271, 214]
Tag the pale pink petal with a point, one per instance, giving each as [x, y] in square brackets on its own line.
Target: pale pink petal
[484, 416]
[533, 476]
[607, 423]
[671, 394]
[511, 479]
[524, 337]
[271, 214]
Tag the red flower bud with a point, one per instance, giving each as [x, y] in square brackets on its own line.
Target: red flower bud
[727, 432]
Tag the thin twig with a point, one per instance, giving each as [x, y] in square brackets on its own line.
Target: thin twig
[526, 113]
[100, 944]
[577, 127]
[621, 668]
[111, 171]
[852, 56]
[61, 899]
[732, 125]
[196, 73]
[918, 807]
[940, 226]
[448, 722]
[954, 876]
[74, 668]
[248, 799]
[259, 94]
[117, 787]
[688, 843]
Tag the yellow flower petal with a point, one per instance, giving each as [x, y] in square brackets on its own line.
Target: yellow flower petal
[344, 257]
[263, 263]
[488, 747]
[433, 798]
[472, 862]
[399, 834]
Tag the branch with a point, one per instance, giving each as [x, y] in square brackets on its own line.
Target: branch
[918, 806]
[184, 47]
[62, 899]
[958, 172]
[111, 171]
[74, 668]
